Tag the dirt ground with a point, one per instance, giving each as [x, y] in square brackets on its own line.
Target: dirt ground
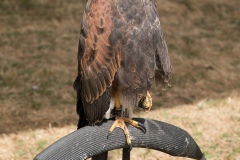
[38, 50]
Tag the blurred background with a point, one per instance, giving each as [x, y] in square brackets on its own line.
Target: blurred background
[38, 64]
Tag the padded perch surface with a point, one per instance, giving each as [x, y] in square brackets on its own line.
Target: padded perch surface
[88, 141]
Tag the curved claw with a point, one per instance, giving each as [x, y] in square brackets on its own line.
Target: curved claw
[109, 132]
[140, 103]
[130, 147]
[142, 127]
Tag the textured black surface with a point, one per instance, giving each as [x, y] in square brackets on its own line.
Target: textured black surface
[89, 141]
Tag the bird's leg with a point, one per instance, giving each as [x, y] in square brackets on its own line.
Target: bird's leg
[146, 102]
[118, 107]
[120, 122]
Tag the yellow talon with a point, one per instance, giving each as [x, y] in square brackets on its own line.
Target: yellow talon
[146, 102]
[120, 122]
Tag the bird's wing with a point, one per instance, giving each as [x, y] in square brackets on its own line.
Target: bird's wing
[163, 65]
[144, 51]
[97, 63]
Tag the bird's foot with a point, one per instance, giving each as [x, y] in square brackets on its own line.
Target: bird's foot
[146, 102]
[120, 122]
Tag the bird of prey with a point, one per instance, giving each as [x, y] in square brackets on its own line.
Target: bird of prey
[121, 53]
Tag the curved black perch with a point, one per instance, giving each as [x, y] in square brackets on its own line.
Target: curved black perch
[89, 141]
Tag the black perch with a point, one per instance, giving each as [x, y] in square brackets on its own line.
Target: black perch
[90, 141]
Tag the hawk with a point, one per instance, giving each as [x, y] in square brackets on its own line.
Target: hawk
[121, 53]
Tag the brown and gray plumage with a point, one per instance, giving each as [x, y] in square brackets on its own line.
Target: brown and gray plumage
[121, 52]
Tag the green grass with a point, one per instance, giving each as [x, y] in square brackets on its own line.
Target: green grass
[41, 145]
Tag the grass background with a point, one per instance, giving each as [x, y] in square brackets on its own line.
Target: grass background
[38, 51]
